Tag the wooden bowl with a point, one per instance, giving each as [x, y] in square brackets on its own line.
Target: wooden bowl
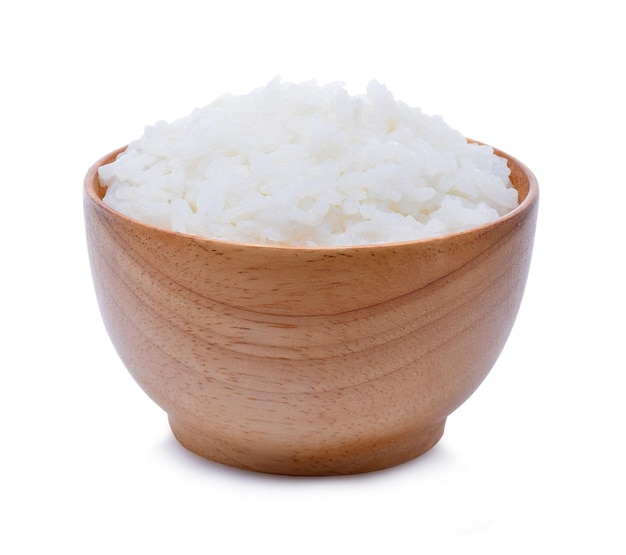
[309, 361]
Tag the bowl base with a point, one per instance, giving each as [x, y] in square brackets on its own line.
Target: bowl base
[340, 460]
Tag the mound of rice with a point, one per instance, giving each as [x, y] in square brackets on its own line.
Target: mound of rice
[302, 164]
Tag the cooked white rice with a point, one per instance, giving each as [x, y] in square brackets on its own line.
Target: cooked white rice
[309, 165]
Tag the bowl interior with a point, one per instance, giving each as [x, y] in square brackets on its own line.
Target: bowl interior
[521, 177]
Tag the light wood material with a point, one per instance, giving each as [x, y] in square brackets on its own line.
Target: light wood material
[309, 361]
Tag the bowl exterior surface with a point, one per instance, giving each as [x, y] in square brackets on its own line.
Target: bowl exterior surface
[309, 361]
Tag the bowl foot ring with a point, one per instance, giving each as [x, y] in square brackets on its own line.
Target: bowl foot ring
[339, 460]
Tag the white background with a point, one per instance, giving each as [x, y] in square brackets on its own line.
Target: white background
[533, 462]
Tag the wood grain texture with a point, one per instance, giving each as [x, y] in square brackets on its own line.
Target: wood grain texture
[309, 361]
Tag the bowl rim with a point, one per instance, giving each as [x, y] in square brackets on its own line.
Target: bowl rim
[92, 186]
